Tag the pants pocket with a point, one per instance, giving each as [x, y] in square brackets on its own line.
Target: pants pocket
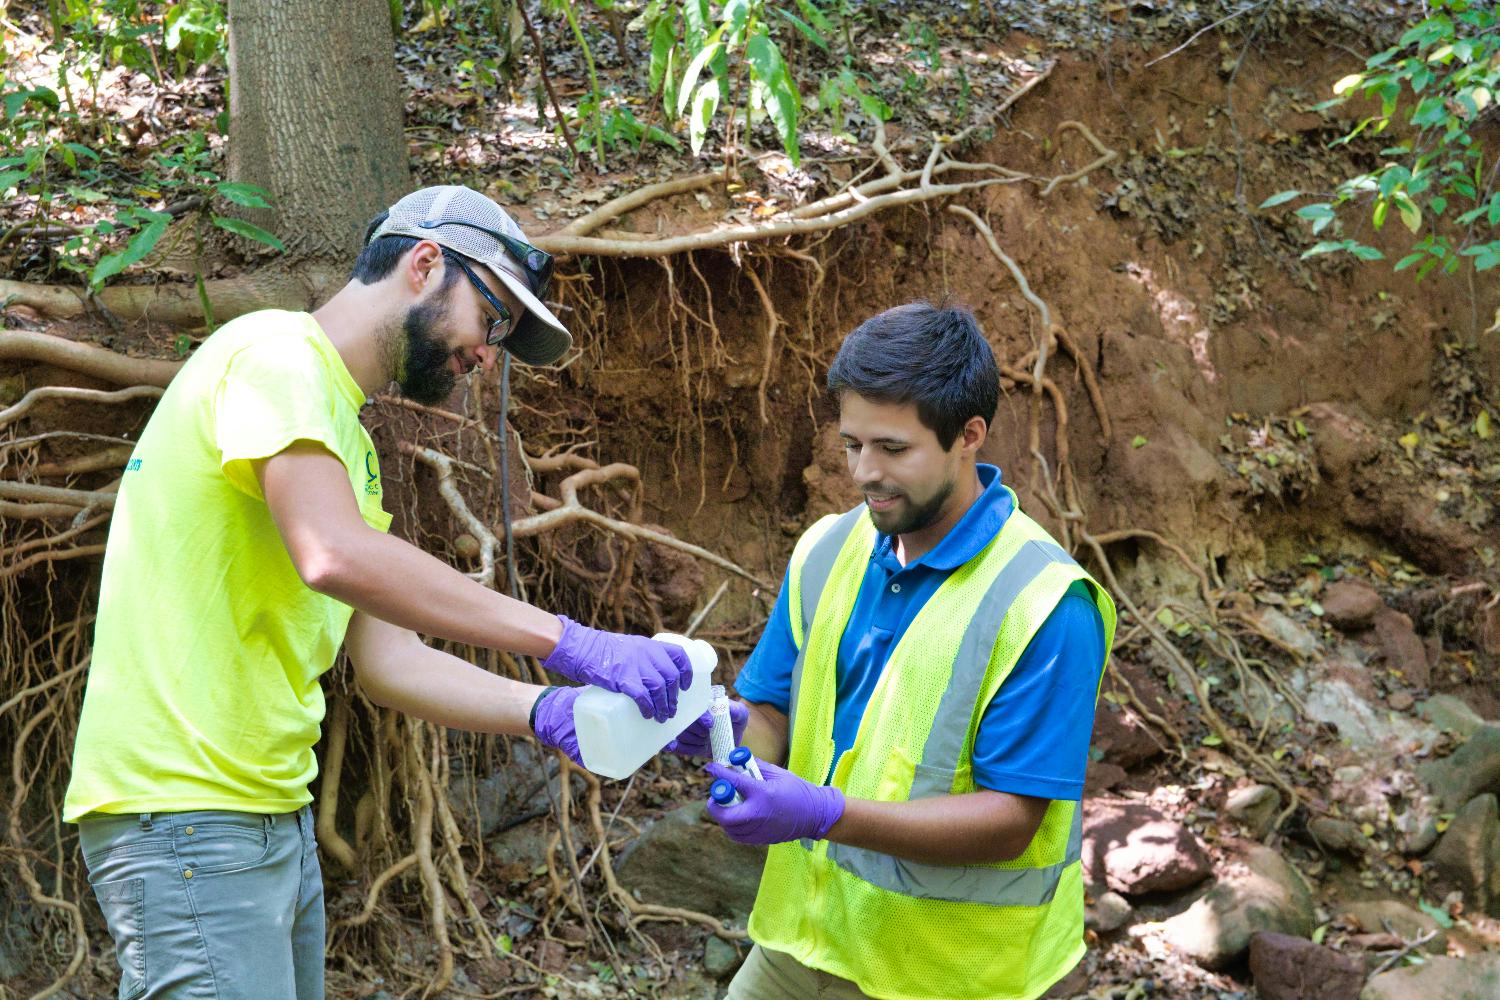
[124, 906]
[217, 848]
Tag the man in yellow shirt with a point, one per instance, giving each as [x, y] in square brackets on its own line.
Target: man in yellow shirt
[248, 542]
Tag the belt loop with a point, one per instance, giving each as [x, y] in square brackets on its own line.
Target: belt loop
[145, 821]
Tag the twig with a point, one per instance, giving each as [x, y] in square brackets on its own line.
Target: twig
[541, 59]
[1203, 31]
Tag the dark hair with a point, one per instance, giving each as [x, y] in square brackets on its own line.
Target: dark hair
[379, 257]
[920, 353]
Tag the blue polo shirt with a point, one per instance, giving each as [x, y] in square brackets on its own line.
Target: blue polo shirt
[1034, 736]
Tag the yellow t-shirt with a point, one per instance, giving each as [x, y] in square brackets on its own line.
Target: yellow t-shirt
[203, 691]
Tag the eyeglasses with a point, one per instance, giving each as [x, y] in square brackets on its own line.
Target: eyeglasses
[536, 263]
[500, 327]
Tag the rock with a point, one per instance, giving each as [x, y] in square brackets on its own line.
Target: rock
[1396, 918]
[1134, 849]
[1475, 977]
[1403, 650]
[1350, 605]
[1102, 776]
[1400, 701]
[1295, 636]
[1487, 627]
[720, 958]
[1120, 738]
[1256, 891]
[685, 860]
[1110, 912]
[1451, 714]
[1467, 858]
[1471, 770]
[1255, 807]
[511, 792]
[1338, 835]
[1294, 968]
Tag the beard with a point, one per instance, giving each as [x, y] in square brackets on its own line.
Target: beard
[908, 517]
[425, 375]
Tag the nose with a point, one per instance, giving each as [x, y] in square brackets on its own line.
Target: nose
[488, 356]
[866, 469]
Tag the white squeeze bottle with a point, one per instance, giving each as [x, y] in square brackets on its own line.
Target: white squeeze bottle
[614, 739]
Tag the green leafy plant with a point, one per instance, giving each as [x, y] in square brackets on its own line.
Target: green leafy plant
[1440, 78]
[699, 63]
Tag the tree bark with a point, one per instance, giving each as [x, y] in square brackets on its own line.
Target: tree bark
[315, 118]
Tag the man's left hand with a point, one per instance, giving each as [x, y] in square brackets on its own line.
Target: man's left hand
[695, 740]
[780, 808]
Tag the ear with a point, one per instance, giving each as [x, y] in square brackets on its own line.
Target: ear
[423, 263]
[973, 436]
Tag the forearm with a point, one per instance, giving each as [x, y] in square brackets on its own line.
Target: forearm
[414, 590]
[414, 678]
[765, 733]
[982, 826]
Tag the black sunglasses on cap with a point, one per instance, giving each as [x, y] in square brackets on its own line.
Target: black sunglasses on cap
[500, 326]
[535, 262]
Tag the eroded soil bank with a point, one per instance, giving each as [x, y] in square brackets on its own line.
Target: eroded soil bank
[1279, 459]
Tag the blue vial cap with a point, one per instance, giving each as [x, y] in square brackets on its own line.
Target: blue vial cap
[739, 756]
[721, 792]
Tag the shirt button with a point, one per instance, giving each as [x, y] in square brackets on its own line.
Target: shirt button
[895, 588]
[188, 831]
[187, 873]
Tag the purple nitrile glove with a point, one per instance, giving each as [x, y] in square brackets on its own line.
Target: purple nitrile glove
[552, 720]
[780, 808]
[648, 672]
[694, 741]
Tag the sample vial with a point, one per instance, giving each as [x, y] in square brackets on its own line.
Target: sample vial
[723, 793]
[742, 758]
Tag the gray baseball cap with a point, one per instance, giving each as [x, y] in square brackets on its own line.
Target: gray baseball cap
[468, 223]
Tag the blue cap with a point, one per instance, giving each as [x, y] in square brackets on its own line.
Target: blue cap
[739, 755]
[722, 792]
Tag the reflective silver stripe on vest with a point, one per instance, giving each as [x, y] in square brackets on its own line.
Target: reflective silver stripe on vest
[816, 569]
[961, 883]
[950, 725]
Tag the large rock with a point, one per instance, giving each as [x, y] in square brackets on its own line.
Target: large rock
[516, 790]
[1394, 917]
[685, 860]
[1134, 849]
[1471, 770]
[1467, 858]
[1350, 605]
[1404, 652]
[1256, 891]
[1293, 968]
[1475, 977]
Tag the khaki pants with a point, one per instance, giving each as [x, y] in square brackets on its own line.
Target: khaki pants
[775, 975]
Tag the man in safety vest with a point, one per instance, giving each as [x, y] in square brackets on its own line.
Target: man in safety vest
[928, 679]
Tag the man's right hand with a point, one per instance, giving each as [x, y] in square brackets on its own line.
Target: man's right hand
[650, 673]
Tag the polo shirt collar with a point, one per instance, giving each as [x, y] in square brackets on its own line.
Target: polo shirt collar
[980, 523]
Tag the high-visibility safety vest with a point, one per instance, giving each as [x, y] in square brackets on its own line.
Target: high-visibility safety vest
[903, 930]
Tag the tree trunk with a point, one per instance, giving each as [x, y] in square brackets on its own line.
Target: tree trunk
[315, 118]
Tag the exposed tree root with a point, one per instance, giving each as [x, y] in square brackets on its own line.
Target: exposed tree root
[98, 362]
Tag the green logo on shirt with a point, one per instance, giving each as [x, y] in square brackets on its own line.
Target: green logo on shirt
[372, 478]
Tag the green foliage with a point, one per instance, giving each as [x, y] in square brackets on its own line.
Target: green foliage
[1441, 78]
[57, 173]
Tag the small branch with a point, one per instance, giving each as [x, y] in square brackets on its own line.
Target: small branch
[541, 59]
